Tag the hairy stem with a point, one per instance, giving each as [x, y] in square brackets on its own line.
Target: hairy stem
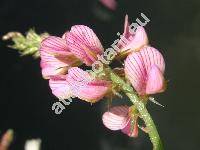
[128, 90]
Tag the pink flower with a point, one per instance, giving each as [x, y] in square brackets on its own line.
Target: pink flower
[55, 56]
[84, 44]
[119, 118]
[80, 84]
[145, 70]
[60, 87]
[111, 4]
[133, 40]
[85, 87]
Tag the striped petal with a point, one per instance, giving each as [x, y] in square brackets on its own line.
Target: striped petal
[85, 87]
[135, 72]
[131, 129]
[155, 81]
[135, 40]
[55, 46]
[49, 71]
[84, 43]
[152, 56]
[127, 33]
[51, 65]
[60, 87]
[111, 4]
[48, 59]
[116, 118]
[141, 71]
[55, 56]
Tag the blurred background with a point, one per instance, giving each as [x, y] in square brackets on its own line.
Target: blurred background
[26, 100]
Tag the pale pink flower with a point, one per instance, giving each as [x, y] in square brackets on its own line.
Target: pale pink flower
[85, 87]
[60, 87]
[55, 56]
[133, 40]
[119, 118]
[145, 70]
[84, 43]
[111, 4]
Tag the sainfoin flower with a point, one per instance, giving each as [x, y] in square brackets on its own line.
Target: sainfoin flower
[119, 118]
[145, 70]
[85, 87]
[55, 56]
[80, 84]
[58, 54]
[132, 40]
[84, 43]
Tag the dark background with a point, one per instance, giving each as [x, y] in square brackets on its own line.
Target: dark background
[26, 99]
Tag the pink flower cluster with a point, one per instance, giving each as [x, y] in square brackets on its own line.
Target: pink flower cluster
[60, 58]
[144, 68]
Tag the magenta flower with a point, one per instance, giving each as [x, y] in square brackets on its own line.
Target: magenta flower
[133, 40]
[84, 44]
[145, 70]
[55, 56]
[111, 4]
[85, 87]
[119, 118]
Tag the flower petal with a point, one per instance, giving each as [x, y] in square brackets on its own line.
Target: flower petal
[111, 4]
[85, 87]
[152, 56]
[49, 59]
[84, 43]
[49, 71]
[138, 69]
[116, 118]
[137, 40]
[55, 56]
[134, 41]
[155, 81]
[51, 65]
[60, 87]
[55, 46]
[131, 129]
[135, 72]
[126, 33]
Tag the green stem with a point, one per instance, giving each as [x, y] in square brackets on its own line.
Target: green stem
[128, 90]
